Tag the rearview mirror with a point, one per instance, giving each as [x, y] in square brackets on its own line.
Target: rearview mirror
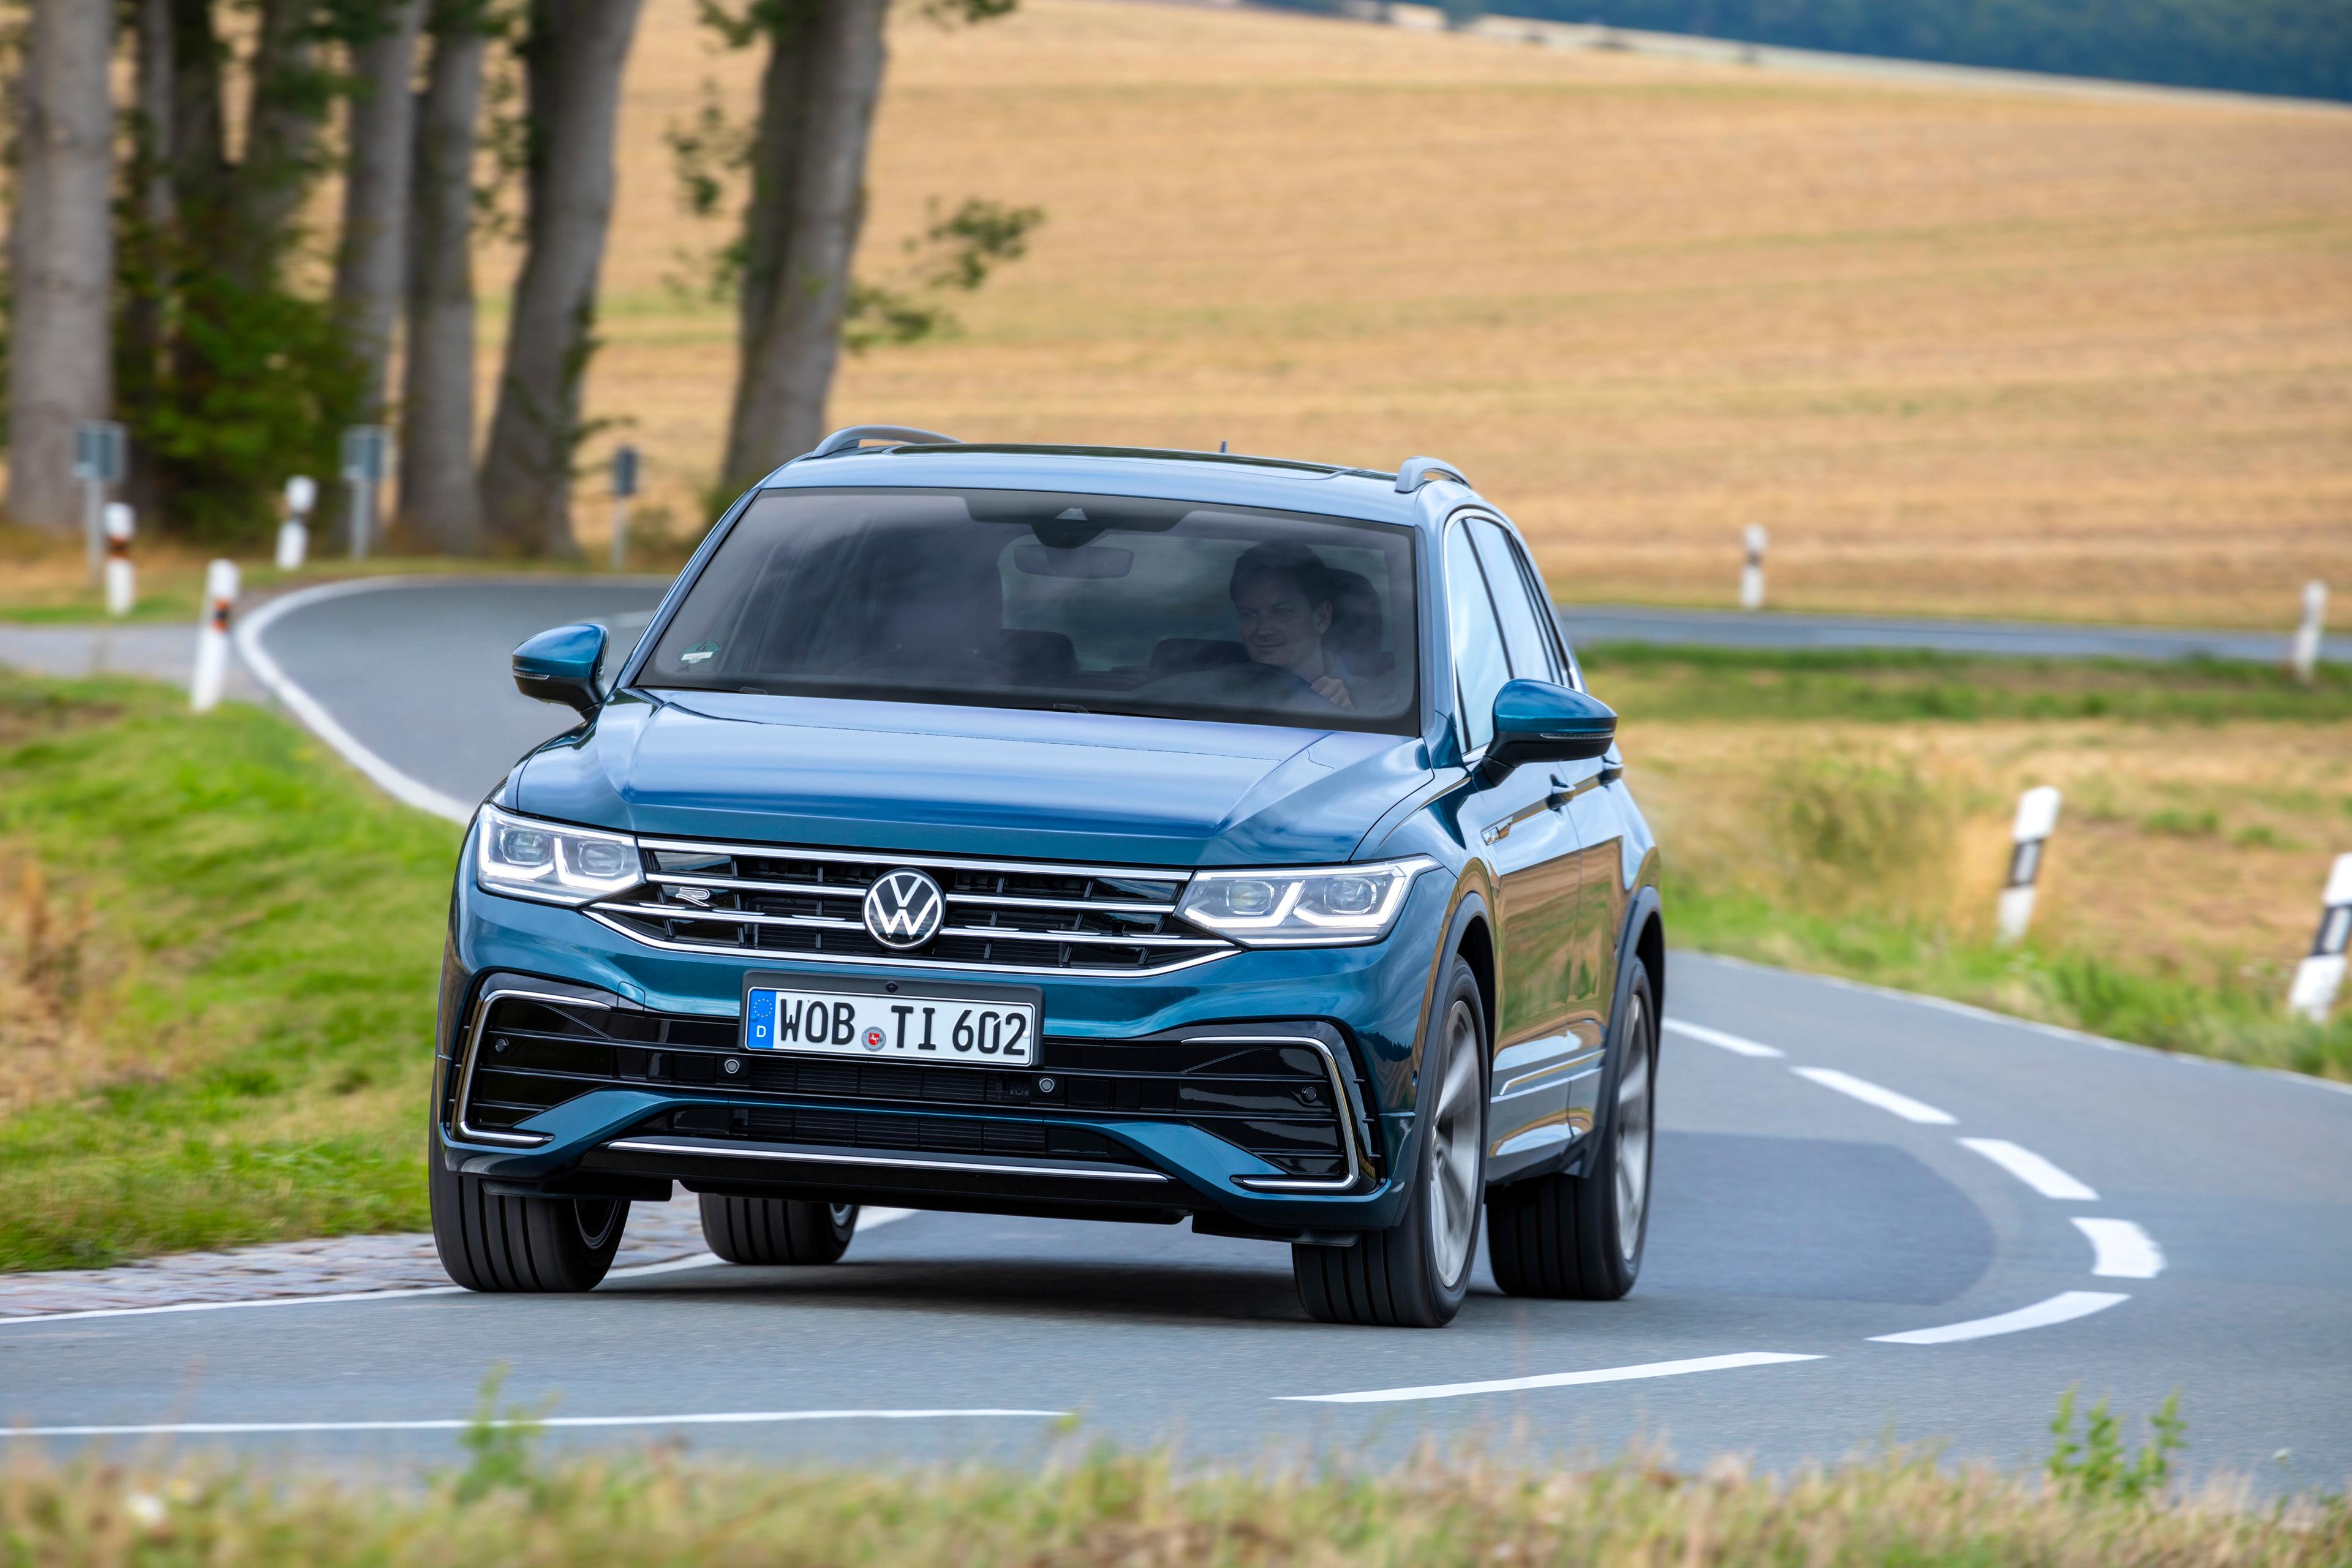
[1536, 721]
[560, 665]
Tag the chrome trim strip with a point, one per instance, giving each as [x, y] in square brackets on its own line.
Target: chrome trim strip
[830, 890]
[724, 950]
[1550, 1069]
[985, 933]
[894, 858]
[1344, 1107]
[474, 1050]
[808, 1157]
[1017, 902]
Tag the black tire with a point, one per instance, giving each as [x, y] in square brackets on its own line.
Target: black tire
[1414, 1274]
[496, 1243]
[770, 1231]
[1580, 1239]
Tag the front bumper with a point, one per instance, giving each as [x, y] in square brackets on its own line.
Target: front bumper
[1120, 1152]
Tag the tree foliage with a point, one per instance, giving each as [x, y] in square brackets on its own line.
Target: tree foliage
[2298, 46]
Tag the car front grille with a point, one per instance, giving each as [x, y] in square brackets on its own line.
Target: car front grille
[1276, 1100]
[1026, 917]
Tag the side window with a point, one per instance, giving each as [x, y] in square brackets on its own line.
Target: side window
[1532, 658]
[1478, 666]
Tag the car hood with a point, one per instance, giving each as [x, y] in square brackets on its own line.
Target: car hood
[972, 781]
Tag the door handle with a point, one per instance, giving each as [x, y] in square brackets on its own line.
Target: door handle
[1562, 792]
[1611, 773]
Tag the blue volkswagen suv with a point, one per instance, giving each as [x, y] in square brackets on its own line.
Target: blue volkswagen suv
[1091, 833]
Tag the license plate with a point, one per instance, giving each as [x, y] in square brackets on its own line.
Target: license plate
[937, 1026]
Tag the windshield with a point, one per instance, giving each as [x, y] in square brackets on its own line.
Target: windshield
[1038, 599]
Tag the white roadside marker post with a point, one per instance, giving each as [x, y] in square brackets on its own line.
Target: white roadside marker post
[624, 485]
[2037, 818]
[122, 587]
[2302, 653]
[363, 465]
[212, 637]
[1751, 572]
[97, 463]
[294, 533]
[2317, 978]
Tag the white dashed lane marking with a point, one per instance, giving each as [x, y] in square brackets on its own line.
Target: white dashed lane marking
[2060, 1308]
[705, 1418]
[2121, 1249]
[1553, 1379]
[2032, 1169]
[1869, 1093]
[1737, 1043]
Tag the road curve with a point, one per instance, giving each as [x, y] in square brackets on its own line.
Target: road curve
[1876, 1215]
[1783, 631]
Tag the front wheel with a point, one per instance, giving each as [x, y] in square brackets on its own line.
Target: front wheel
[770, 1231]
[500, 1244]
[1581, 1238]
[1414, 1274]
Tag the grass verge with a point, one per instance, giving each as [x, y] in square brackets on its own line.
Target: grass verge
[1848, 814]
[220, 961]
[506, 1508]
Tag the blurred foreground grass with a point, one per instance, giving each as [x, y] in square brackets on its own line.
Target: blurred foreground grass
[657, 1508]
[1848, 813]
[217, 979]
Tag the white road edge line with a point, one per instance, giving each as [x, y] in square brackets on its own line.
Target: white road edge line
[2032, 1170]
[2063, 1307]
[707, 1419]
[1869, 1093]
[2121, 1250]
[1552, 1379]
[867, 1219]
[314, 715]
[1736, 1044]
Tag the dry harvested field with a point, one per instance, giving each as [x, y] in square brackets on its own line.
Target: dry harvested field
[1961, 349]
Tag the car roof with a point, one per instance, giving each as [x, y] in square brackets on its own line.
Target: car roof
[1230, 478]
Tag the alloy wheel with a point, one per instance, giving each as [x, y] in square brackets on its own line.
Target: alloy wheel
[1634, 1133]
[596, 1218]
[1453, 1160]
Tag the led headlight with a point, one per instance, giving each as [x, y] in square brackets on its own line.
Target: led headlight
[1321, 907]
[525, 859]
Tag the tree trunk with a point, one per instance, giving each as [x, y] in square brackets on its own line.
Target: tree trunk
[438, 501]
[61, 262]
[146, 242]
[796, 274]
[373, 252]
[573, 65]
[291, 94]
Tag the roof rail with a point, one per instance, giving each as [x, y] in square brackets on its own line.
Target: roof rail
[855, 436]
[1415, 472]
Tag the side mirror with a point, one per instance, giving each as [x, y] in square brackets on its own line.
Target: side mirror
[560, 665]
[1536, 721]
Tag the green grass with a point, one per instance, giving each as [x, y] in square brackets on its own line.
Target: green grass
[2218, 1013]
[1661, 683]
[507, 1507]
[253, 980]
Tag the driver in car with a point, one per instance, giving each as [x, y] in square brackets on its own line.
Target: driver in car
[1282, 594]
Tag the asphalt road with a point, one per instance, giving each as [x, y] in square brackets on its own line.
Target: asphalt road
[1877, 1218]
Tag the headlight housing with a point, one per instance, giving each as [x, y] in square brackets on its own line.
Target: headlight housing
[526, 858]
[1325, 907]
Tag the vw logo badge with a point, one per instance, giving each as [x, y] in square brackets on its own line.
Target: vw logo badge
[905, 908]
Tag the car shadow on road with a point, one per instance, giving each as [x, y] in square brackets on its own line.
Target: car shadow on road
[1161, 1291]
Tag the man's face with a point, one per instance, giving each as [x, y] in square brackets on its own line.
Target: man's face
[1278, 623]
